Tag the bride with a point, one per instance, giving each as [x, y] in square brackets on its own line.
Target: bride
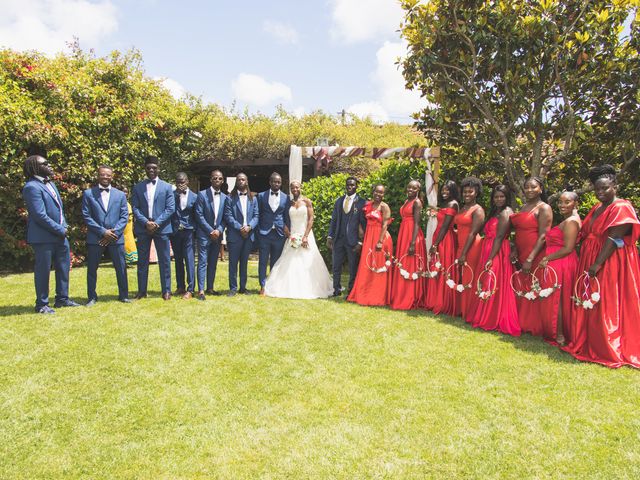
[300, 271]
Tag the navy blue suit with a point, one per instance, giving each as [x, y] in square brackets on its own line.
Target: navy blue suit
[46, 233]
[343, 229]
[238, 247]
[208, 249]
[163, 207]
[98, 221]
[184, 225]
[271, 225]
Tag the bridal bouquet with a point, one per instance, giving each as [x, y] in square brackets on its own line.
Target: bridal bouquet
[296, 240]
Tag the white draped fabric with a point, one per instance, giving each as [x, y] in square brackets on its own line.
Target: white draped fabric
[432, 199]
[295, 164]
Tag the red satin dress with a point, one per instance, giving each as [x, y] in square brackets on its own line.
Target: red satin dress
[439, 298]
[373, 288]
[406, 294]
[610, 333]
[498, 312]
[525, 225]
[566, 269]
[462, 301]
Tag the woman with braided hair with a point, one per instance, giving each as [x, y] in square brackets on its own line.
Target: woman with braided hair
[607, 326]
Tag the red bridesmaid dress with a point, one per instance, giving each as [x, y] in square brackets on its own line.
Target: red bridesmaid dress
[610, 332]
[463, 220]
[373, 288]
[560, 299]
[407, 293]
[525, 225]
[498, 312]
[439, 298]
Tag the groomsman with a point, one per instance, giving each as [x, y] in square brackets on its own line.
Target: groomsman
[273, 226]
[105, 212]
[46, 233]
[153, 204]
[241, 216]
[343, 236]
[184, 224]
[210, 208]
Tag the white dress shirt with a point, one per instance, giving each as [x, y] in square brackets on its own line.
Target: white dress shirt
[183, 199]
[274, 200]
[216, 204]
[243, 208]
[151, 193]
[104, 196]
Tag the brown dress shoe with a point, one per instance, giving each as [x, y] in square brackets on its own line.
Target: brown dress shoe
[166, 296]
[187, 295]
[262, 291]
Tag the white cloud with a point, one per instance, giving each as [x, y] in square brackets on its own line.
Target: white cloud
[373, 110]
[283, 33]
[356, 20]
[175, 88]
[255, 90]
[48, 25]
[299, 111]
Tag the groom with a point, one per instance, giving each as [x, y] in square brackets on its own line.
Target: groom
[344, 238]
[273, 226]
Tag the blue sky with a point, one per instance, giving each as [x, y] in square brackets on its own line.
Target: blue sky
[305, 55]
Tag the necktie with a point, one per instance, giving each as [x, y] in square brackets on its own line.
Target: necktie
[347, 204]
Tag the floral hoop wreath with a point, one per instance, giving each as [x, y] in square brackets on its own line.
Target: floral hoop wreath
[410, 275]
[530, 294]
[372, 265]
[433, 260]
[452, 284]
[589, 296]
[547, 291]
[489, 292]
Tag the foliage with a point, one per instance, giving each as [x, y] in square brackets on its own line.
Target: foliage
[528, 87]
[271, 388]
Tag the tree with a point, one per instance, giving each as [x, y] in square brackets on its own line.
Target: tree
[527, 87]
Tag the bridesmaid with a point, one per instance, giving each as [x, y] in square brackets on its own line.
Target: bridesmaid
[531, 225]
[372, 286]
[561, 255]
[499, 311]
[439, 298]
[469, 221]
[609, 332]
[410, 251]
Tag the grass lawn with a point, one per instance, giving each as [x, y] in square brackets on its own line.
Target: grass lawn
[253, 387]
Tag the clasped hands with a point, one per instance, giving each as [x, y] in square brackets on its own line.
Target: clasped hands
[108, 238]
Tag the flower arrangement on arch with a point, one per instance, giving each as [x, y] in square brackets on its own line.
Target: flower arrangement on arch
[371, 264]
[519, 287]
[485, 294]
[407, 275]
[452, 283]
[589, 296]
[541, 286]
[434, 266]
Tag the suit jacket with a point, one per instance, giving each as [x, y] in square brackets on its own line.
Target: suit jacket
[186, 217]
[205, 216]
[44, 224]
[233, 217]
[163, 207]
[99, 220]
[347, 223]
[268, 219]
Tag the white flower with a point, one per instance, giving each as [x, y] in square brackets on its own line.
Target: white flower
[530, 296]
[587, 304]
[595, 297]
[388, 263]
[404, 274]
[460, 288]
[546, 292]
[438, 265]
[451, 283]
[414, 276]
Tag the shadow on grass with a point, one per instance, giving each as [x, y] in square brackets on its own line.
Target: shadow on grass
[526, 342]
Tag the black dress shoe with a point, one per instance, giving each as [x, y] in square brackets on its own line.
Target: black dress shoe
[166, 296]
[244, 291]
[336, 294]
[232, 293]
[91, 302]
[140, 296]
[201, 297]
[46, 309]
[125, 300]
[66, 303]
[212, 292]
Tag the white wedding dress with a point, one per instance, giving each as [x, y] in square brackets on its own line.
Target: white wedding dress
[299, 272]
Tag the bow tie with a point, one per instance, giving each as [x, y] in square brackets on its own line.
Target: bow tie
[104, 189]
[274, 193]
[216, 193]
[183, 192]
[242, 194]
[46, 180]
[152, 182]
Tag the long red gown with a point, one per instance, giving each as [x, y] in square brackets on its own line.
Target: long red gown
[566, 269]
[525, 225]
[439, 298]
[499, 311]
[462, 301]
[373, 288]
[405, 294]
[610, 333]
